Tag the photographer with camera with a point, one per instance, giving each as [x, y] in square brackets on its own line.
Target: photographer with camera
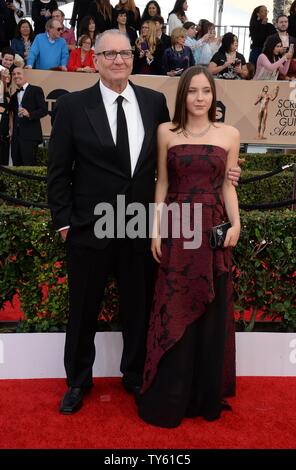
[227, 63]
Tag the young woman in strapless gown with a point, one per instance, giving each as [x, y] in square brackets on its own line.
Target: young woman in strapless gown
[190, 363]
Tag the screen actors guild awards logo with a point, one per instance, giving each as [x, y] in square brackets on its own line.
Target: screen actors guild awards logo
[263, 100]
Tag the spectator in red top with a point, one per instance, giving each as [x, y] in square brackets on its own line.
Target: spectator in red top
[81, 58]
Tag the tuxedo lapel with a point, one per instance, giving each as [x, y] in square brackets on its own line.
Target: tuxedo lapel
[98, 119]
[26, 95]
[147, 123]
[97, 116]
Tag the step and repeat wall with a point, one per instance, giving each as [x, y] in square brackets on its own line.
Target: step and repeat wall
[263, 111]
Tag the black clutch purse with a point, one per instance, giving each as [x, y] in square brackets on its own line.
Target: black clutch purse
[218, 234]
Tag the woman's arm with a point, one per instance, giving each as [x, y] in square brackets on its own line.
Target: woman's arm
[161, 187]
[229, 192]
[215, 68]
[265, 62]
[258, 99]
[242, 71]
[283, 69]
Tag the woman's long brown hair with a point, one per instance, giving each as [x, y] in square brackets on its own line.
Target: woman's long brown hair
[180, 116]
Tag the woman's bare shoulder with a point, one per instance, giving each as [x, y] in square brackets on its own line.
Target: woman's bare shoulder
[227, 130]
[165, 129]
[166, 126]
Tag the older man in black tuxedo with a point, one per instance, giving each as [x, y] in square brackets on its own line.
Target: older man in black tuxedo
[88, 165]
[103, 144]
[28, 106]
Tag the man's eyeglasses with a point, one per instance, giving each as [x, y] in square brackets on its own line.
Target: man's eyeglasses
[111, 55]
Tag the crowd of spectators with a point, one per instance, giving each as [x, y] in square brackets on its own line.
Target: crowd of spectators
[44, 42]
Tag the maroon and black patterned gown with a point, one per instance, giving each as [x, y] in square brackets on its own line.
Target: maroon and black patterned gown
[190, 363]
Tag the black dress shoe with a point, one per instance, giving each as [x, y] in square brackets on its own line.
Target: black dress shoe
[72, 400]
[225, 406]
[137, 393]
[130, 385]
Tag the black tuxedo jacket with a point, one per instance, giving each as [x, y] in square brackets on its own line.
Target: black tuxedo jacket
[83, 167]
[29, 128]
[165, 40]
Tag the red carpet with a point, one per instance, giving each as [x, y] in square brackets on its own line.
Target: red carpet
[263, 417]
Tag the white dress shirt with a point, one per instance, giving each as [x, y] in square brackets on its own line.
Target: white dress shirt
[21, 94]
[133, 118]
[174, 22]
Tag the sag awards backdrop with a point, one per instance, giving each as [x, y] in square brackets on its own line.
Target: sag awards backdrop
[263, 111]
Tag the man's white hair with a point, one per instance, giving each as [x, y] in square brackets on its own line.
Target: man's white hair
[110, 32]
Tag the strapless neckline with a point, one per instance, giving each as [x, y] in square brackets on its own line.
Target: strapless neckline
[199, 145]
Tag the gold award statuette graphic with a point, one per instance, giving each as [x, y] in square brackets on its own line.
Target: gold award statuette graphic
[266, 95]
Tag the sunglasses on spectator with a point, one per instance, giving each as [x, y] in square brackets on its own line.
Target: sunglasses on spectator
[111, 55]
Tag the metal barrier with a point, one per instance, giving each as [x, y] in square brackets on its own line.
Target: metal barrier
[42, 205]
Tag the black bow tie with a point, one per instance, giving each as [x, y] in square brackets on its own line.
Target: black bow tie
[20, 89]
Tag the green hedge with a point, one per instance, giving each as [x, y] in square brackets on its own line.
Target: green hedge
[266, 161]
[265, 267]
[42, 156]
[29, 190]
[277, 188]
[254, 161]
[32, 259]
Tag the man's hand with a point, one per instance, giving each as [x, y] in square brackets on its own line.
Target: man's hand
[156, 248]
[23, 112]
[64, 233]
[234, 175]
